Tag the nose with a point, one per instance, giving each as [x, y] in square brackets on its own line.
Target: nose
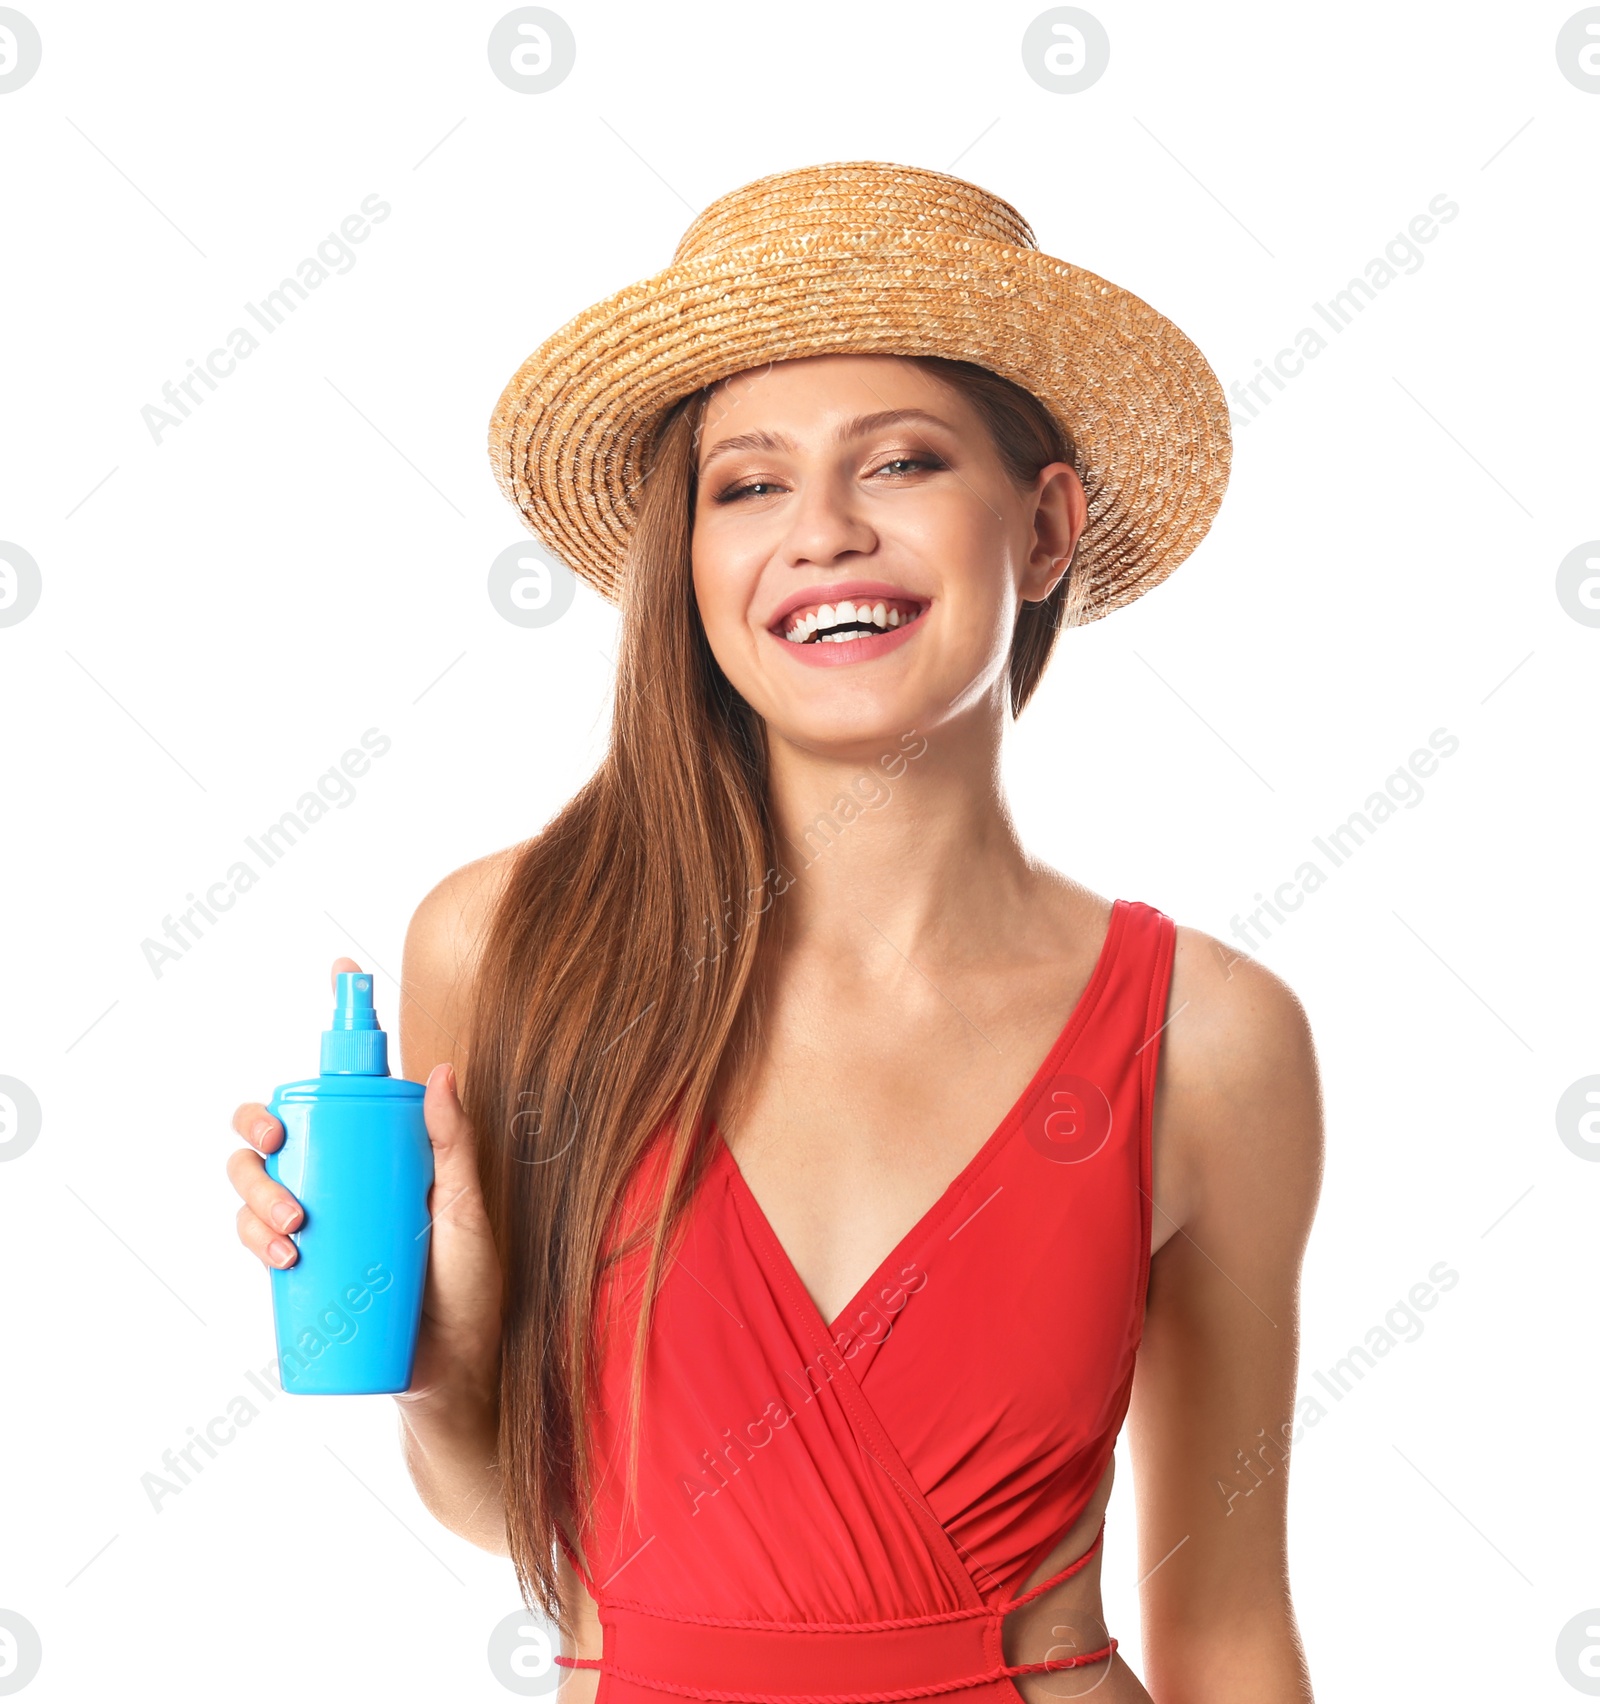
[825, 525]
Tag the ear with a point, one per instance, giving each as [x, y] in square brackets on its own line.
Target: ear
[1060, 514]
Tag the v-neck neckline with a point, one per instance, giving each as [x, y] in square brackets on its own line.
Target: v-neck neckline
[1067, 1035]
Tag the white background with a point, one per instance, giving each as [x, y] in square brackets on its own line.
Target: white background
[224, 613]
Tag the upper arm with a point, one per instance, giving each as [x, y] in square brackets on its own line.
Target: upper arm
[1238, 1105]
[440, 962]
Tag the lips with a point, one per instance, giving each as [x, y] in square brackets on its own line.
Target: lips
[862, 645]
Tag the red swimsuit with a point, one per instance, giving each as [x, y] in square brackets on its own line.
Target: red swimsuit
[843, 1511]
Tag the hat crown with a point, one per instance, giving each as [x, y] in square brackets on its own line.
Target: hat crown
[848, 199]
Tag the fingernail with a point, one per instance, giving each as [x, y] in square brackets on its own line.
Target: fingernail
[284, 1215]
[279, 1252]
[262, 1130]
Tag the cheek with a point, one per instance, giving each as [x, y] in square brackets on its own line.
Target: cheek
[970, 513]
[966, 537]
[723, 600]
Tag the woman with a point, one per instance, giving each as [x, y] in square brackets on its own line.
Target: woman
[781, 990]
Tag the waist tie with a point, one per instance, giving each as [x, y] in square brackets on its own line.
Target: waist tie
[812, 1662]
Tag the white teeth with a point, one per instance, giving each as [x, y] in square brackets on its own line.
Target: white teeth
[846, 611]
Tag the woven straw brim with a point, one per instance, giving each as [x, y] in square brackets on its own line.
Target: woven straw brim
[571, 434]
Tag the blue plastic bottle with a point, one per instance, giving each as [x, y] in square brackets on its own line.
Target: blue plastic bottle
[356, 1156]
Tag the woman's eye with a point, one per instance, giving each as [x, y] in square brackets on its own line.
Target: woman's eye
[735, 492]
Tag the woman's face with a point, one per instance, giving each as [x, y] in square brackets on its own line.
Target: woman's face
[858, 495]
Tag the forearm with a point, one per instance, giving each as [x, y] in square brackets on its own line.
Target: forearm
[451, 1448]
[1258, 1662]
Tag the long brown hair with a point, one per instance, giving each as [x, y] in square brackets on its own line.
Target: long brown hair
[634, 918]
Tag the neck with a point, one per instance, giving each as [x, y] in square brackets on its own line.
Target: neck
[908, 847]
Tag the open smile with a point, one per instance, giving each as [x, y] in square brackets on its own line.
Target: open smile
[824, 623]
[848, 629]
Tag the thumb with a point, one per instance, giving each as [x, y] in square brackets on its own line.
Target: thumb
[455, 1148]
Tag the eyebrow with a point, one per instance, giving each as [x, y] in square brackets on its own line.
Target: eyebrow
[862, 424]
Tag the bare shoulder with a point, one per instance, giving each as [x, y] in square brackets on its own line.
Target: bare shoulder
[442, 948]
[1230, 1016]
[1238, 1097]
[447, 926]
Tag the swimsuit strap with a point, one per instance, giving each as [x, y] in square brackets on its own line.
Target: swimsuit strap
[1065, 1573]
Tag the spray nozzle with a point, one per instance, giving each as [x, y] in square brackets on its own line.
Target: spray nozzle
[354, 1045]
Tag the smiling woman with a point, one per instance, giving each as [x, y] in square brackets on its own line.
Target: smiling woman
[938, 461]
[900, 449]
[895, 1170]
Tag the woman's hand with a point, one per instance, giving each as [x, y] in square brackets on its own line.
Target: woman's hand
[458, 1343]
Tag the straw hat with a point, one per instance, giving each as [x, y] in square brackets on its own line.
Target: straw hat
[867, 257]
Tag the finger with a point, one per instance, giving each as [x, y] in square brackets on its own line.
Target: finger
[263, 1195]
[338, 965]
[258, 1127]
[264, 1243]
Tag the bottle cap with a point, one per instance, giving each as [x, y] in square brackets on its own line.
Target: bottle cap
[354, 1045]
